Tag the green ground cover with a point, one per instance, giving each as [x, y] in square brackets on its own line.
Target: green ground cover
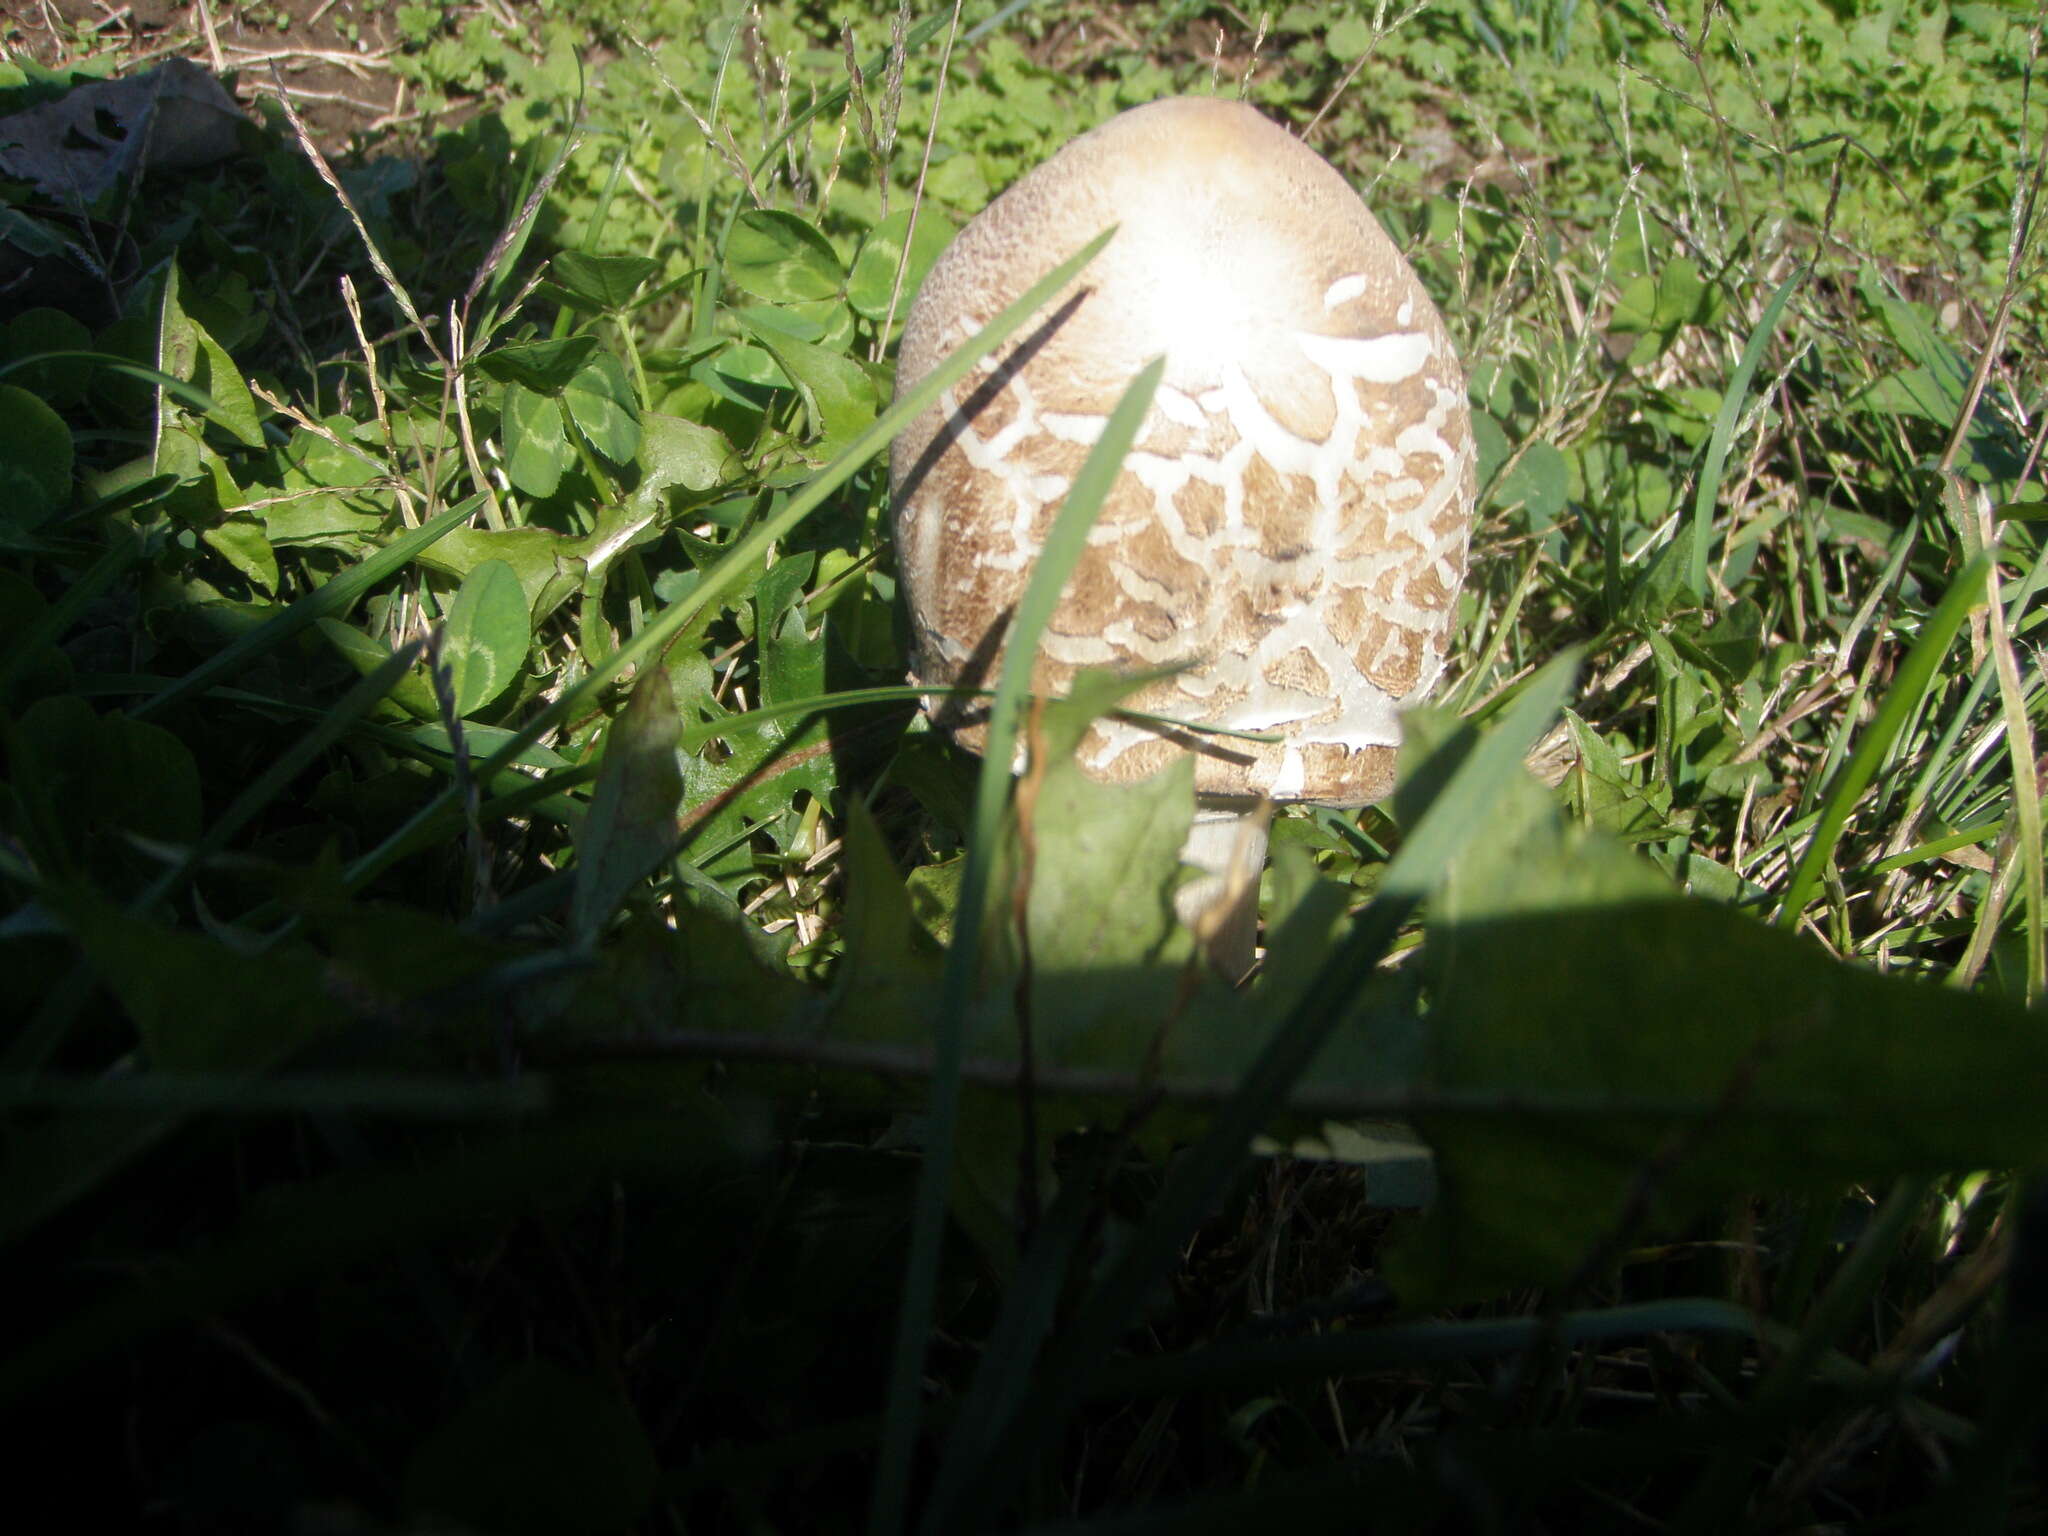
[517, 1018]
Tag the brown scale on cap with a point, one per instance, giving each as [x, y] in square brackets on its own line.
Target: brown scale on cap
[1292, 522]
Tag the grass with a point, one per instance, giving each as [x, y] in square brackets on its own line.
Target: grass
[521, 1023]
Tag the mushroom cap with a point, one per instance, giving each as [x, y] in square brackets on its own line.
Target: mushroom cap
[1290, 526]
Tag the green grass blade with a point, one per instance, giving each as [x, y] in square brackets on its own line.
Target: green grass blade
[2026, 791]
[1063, 546]
[1915, 676]
[1708, 491]
[190, 393]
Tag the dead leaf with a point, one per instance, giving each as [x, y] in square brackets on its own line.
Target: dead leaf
[176, 117]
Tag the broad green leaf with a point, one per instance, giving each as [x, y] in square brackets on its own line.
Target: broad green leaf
[630, 830]
[1579, 1047]
[1590, 1023]
[198, 1005]
[604, 282]
[1539, 484]
[61, 381]
[873, 281]
[186, 352]
[96, 778]
[325, 601]
[840, 397]
[779, 256]
[35, 459]
[751, 365]
[600, 400]
[549, 566]
[1912, 392]
[826, 323]
[546, 367]
[535, 440]
[1672, 297]
[1107, 951]
[1656, 307]
[675, 452]
[484, 640]
[1490, 443]
[234, 408]
[412, 693]
[243, 541]
[344, 522]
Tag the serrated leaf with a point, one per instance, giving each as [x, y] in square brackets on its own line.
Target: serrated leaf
[333, 521]
[197, 1005]
[1731, 646]
[1600, 791]
[234, 408]
[886, 982]
[1589, 1023]
[1913, 392]
[484, 638]
[839, 396]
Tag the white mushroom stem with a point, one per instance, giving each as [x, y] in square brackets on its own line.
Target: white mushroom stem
[1227, 843]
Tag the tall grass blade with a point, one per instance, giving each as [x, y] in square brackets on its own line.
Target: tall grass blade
[1708, 492]
[1063, 546]
[1916, 675]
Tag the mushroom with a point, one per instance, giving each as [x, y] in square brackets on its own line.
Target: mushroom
[1290, 526]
